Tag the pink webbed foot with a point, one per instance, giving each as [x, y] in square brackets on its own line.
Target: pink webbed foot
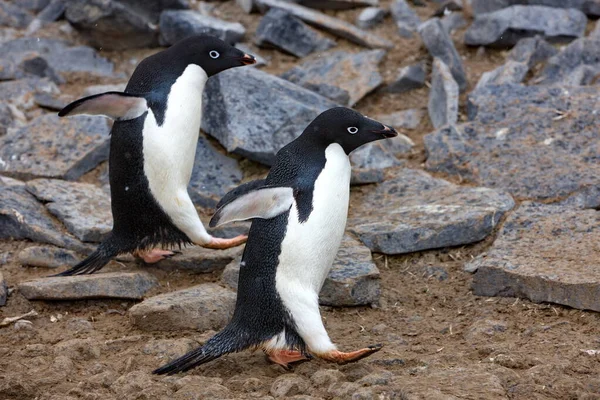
[286, 357]
[339, 357]
[154, 255]
[221, 243]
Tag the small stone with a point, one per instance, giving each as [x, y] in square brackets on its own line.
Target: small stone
[453, 22]
[201, 260]
[24, 325]
[83, 208]
[202, 307]
[231, 273]
[440, 45]
[507, 26]
[169, 349]
[404, 214]
[364, 394]
[77, 349]
[483, 329]
[354, 75]
[132, 384]
[406, 18]
[48, 257]
[376, 378]
[3, 290]
[176, 25]
[405, 119]
[448, 7]
[113, 285]
[52, 102]
[326, 377]
[443, 96]
[379, 155]
[288, 33]
[591, 7]
[577, 64]
[21, 92]
[342, 389]
[370, 17]
[79, 325]
[512, 72]
[337, 4]
[430, 271]
[97, 89]
[289, 385]
[201, 392]
[13, 16]
[333, 25]
[532, 51]
[408, 78]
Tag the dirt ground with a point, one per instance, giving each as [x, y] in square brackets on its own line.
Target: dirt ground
[440, 341]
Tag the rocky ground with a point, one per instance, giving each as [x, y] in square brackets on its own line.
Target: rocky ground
[472, 245]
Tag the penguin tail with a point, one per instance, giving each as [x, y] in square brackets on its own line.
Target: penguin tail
[95, 261]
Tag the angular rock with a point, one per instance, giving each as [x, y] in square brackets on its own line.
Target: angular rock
[286, 32]
[352, 75]
[512, 72]
[440, 45]
[370, 17]
[54, 147]
[452, 22]
[507, 26]
[13, 16]
[112, 285]
[201, 260]
[443, 96]
[52, 102]
[256, 128]
[595, 33]
[38, 66]
[406, 19]
[20, 93]
[82, 207]
[289, 385]
[532, 51]
[337, 4]
[97, 89]
[231, 273]
[373, 157]
[3, 290]
[151, 9]
[415, 212]
[536, 142]
[354, 279]
[176, 25]
[169, 349]
[6, 118]
[590, 7]
[33, 5]
[48, 257]
[577, 64]
[544, 253]
[408, 78]
[406, 119]
[53, 11]
[447, 7]
[202, 307]
[333, 25]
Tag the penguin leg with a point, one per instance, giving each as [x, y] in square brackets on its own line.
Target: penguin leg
[344, 358]
[221, 243]
[154, 255]
[286, 357]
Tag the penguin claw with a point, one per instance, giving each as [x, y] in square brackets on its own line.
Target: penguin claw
[154, 255]
[286, 358]
[221, 243]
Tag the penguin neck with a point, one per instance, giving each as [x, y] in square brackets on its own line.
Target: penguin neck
[184, 101]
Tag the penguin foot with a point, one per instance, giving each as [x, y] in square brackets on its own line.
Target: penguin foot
[154, 255]
[221, 243]
[286, 357]
[339, 357]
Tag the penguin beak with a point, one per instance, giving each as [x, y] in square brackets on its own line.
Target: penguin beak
[247, 59]
[387, 132]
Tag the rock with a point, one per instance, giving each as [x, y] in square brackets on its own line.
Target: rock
[337, 4]
[24, 325]
[536, 142]
[447, 7]
[370, 17]
[377, 156]
[82, 207]
[167, 350]
[595, 33]
[52, 102]
[259, 126]
[289, 385]
[467, 382]
[354, 279]
[13, 16]
[408, 78]
[532, 51]
[79, 325]
[201, 260]
[352, 75]
[201, 307]
[151, 9]
[231, 273]
[97, 89]
[78, 349]
[214, 174]
[507, 26]
[577, 64]
[590, 7]
[48, 257]
[415, 212]
[443, 96]
[3, 290]
[53, 11]
[113, 285]
[405, 119]
[201, 392]
[333, 25]
[176, 25]
[326, 377]
[288, 33]
[406, 19]
[6, 118]
[544, 253]
[512, 72]
[33, 5]
[440, 45]
[20, 93]
[22, 217]
[452, 22]
[63, 148]
[37, 66]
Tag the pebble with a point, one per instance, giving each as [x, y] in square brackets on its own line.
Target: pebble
[289, 385]
[48, 257]
[406, 18]
[3, 290]
[176, 25]
[167, 350]
[408, 78]
[370, 17]
[78, 349]
[201, 392]
[443, 96]
[23, 325]
[326, 377]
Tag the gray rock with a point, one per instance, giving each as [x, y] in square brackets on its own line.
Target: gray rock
[289, 385]
[536, 142]
[6, 118]
[13, 16]
[151, 9]
[507, 26]
[112, 285]
[82, 207]
[453, 21]
[543, 253]
[202, 307]
[48, 257]
[214, 174]
[595, 33]
[366, 176]
[440, 45]
[288, 33]
[336, 4]
[33, 5]
[577, 64]
[51, 101]
[78, 349]
[333, 25]
[53, 11]
[201, 260]
[532, 51]
[415, 212]
[447, 7]
[20, 93]
[231, 273]
[443, 96]
[370, 17]
[406, 119]
[97, 89]
[260, 61]
[63, 147]
[3, 290]
[590, 7]
[355, 75]
[169, 349]
[176, 25]
[377, 156]
[276, 113]
[38, 66]
[512, 72]
[406, 18]
[408, 78]
[354, 279]
[79, 325]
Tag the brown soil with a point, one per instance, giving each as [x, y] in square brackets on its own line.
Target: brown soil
[440, 341]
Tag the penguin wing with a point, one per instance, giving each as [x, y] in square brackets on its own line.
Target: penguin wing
[263, 202]
[116, 105]
[240, 190]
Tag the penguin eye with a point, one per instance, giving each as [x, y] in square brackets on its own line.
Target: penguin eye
[214, 54]
[352, 130]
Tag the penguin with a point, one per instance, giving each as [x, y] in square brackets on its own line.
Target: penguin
[152, 148]
[298, 217]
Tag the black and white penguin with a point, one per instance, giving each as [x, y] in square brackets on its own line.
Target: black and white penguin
[152, 149]
[299, 214]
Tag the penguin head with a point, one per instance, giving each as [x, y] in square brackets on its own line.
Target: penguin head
[348, 128]
[209, 53]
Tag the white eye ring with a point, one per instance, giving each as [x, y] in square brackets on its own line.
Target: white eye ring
[352, 130]
[214, 54]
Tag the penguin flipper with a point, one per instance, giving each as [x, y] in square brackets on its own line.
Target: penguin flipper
[116, 105]
[264, 202]
[241, 190]
[95, 261]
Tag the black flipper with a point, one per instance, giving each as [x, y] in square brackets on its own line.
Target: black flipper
[240, 190]
[95, 261]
